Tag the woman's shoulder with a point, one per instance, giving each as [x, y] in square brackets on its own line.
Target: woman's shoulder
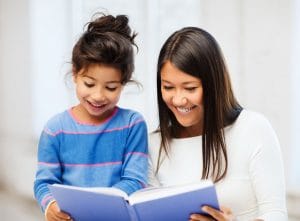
[252, 118]
[252, 123]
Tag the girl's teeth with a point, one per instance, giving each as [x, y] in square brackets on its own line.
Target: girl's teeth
[96, 105]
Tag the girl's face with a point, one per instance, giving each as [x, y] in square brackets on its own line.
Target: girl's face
[98, 90]
[183, 94]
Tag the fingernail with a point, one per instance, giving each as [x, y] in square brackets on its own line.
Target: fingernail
[204, 208]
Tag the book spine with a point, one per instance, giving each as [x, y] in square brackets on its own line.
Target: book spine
[132, 213]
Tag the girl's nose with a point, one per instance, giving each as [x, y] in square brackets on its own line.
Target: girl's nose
[98, 96]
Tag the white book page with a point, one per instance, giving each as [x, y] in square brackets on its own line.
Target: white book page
[152, 193]
[104, 190]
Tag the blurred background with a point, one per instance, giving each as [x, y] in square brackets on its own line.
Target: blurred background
[259, 38]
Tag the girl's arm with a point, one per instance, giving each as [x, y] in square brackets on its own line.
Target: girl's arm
[49, 168]
[135, 163]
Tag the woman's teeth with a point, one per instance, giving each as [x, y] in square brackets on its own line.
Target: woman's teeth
[184, 109]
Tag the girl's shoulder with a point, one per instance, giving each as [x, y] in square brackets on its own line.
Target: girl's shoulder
[129, 115]
[56, 121]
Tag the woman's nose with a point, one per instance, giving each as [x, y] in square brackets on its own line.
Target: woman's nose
[179, 100]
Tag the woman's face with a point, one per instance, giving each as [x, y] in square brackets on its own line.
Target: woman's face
[183, 94]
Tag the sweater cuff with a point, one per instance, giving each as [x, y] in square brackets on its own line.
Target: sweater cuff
[45, 201]
[47, 207]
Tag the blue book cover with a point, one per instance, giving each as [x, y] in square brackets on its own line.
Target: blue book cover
[88, 205]
[178, 207]
[109, 204]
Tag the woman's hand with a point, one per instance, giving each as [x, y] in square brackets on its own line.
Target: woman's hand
[53, 213]
[224, 215]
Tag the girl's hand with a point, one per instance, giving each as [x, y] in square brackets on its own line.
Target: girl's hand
[53, 213]
[224, 215]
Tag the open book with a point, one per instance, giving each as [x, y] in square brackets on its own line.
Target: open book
[174, 203]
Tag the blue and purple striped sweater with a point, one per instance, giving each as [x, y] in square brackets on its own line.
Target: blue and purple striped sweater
[114, 153]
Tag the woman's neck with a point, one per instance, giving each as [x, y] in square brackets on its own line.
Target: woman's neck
[185, 132]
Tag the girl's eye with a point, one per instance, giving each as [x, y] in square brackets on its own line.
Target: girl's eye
[88, 84]
[167, 88]
[111, 88]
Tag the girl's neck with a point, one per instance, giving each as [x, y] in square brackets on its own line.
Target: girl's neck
[83, 117]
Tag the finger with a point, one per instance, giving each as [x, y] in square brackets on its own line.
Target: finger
[224, 214]
[52, 217]
[63, 215]
[198, 217]
[226, 210]
[213, 212]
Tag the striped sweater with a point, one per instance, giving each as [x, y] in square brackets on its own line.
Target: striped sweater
[112, 154]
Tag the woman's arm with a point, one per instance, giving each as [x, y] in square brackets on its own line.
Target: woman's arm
[267, 175]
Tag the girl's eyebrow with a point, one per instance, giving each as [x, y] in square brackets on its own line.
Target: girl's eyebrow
[89, 77]
[108, 82]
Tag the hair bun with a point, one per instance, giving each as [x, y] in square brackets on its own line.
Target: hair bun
[109, 23]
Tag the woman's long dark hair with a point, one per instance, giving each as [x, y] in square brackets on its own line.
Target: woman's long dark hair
[195, 52]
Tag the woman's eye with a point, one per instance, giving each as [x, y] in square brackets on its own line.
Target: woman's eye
[111, 88]
[88, 84]
[191, 89]
[167, 88]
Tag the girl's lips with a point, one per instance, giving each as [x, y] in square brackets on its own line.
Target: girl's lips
[96, 106]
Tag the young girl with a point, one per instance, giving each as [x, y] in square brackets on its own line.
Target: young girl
[205, 134]
[95, 143]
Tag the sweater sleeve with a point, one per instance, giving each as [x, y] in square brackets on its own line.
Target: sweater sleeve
[266, 169]
[48, 168]
[135, 162]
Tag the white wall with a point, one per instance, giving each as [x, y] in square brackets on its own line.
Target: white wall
[16, 113]
[294, 166]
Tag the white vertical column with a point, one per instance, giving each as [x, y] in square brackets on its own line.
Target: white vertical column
[15, 111]
[51, 48]
[162, 19]
[224, 20]
[294, 168]
[266, 70]
[16, 139]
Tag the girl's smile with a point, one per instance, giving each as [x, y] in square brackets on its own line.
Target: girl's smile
[98, 89]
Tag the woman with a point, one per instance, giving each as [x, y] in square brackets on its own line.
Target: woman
[204, 133]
